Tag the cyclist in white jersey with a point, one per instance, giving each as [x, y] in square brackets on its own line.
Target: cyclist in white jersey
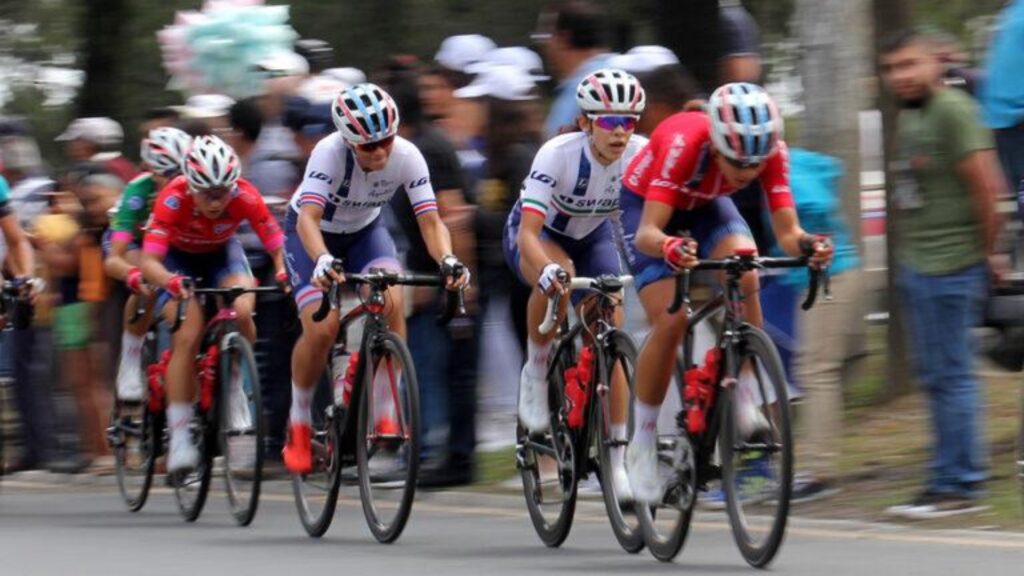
[335, 213]
[564, 223]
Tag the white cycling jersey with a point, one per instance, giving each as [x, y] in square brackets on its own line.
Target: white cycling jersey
[570, 188]
[352, 198]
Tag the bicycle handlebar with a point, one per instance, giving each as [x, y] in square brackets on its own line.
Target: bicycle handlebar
[740, 263]
[231, 294]
[379, 279]
[603, 284]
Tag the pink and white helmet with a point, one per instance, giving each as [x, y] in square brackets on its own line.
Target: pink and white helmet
[365, 113]
[163, 149]
[610, 91]
[211, 163]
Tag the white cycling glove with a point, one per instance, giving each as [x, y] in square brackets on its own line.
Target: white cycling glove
[323, 265]
[549, 275]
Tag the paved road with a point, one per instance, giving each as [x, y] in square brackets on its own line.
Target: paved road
[83, 530]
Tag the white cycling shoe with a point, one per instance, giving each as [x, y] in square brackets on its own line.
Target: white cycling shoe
[642, 469]
[623, 488]
[533, 402]
[182, 458]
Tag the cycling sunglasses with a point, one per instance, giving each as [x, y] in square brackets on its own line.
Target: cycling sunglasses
[214, 194]
[373, 146]
[741, 165]
[610, 122]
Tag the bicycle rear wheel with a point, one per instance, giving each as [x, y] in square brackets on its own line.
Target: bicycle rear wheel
[756, 448]
[549, 467]
[316, 493]
[240, 427]
[621, 358]
[388, 437]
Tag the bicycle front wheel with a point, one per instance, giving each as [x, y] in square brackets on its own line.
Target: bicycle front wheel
[133, 436]
[388, 437]
[621, 364]
[240, 429]
[756, 448]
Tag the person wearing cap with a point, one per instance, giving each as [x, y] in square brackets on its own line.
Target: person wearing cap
[99, 140]
[336, 214]
[571, 34]
[669, 86]
[563, 226]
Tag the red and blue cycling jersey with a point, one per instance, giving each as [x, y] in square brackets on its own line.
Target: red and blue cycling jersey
[677, 167]
[177, 223]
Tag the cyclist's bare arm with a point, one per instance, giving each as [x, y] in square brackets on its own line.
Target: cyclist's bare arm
[21, 259]
[529, 242]
[117, 265]
[153, 269]
[435, 235]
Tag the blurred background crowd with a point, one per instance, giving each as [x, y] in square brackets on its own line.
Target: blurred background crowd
[480, 86]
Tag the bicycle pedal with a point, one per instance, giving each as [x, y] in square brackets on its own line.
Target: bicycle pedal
[520, 457]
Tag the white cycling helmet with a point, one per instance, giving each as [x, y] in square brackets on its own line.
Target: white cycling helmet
[365, 113]
[211, 163]
[610, 91]
[163, 149]
[745, 123]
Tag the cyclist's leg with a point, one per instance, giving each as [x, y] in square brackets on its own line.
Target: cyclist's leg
[129, 372]
[233, 270]
[181, 384]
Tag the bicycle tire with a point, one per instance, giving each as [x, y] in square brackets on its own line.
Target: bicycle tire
[561, 442]
[326, 458]
[756, 344]
[238, 422]
[135, 500]
[191, 501]
[620, 350]
[389, 345]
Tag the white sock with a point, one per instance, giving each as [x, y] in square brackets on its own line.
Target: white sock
[179, 416]
[646, 418]
[302, 402]
[537, 357]
[131, 348]
[617, 452]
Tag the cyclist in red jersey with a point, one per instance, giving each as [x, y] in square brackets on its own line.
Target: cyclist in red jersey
[676, 210]
[191, 234]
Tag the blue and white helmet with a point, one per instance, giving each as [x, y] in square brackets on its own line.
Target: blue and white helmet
[365, 113]
[745, 123]
[163, 149]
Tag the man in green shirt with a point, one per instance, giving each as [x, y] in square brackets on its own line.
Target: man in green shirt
[162, 152]
[946, 184]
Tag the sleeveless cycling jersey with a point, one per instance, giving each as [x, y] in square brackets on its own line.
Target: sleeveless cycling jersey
[352, 198]
[677, 167]
[570, 188]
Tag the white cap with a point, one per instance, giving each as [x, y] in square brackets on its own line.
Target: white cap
[98, 130]
[320, 89]
[459, 52]
[526, 59]
[348, 76]
[284, 63]
[501, 82]
[203, 106]
[643, 59]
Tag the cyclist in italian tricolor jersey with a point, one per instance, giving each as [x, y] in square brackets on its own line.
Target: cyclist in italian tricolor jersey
[162, 151]
[336, 213]
[563, 224]
[675, 209]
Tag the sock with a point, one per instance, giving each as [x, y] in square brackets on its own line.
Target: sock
[302, 401]
[646, 418]
[131, 347]
[179, 416]
[617, 452]
[537, 357]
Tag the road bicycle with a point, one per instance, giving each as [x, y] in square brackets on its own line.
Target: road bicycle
[382, 440]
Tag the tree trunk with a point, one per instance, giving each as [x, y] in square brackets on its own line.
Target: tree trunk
[890, 16]
[101, 28]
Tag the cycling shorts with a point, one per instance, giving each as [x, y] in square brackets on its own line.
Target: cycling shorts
[369, 247]
[708, 225]
[206, 269]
